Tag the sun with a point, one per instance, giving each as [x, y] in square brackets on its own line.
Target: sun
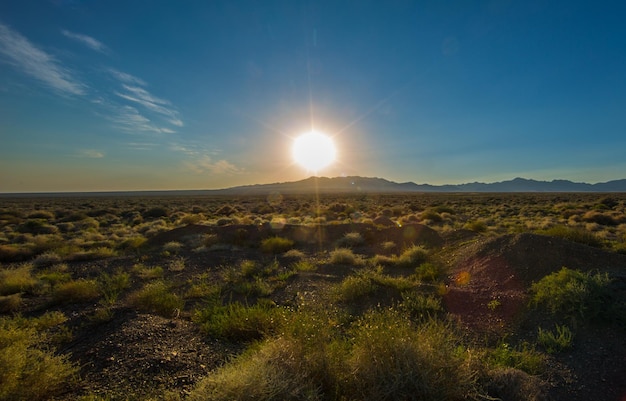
[314, 151]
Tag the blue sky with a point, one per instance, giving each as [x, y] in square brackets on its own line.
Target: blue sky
[139, 95]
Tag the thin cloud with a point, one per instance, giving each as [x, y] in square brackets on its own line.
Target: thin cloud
[28, 58]
[144, 98]
[206, 165]
[129, 119]
[90, 154]
[88, 41]
[126, 78]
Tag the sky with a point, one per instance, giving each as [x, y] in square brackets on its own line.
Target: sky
[164, 95]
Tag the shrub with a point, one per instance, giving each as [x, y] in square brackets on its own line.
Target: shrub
[148, 273]
[390, 358]
[276, 245]
[112, 286]
[351, 239]
[412, 257]
[155, 212]
[429, 271]
[16, 280]
[157, 297]
[46, 259]
[304, 266]
[574, 294]
[421, 306]
[173, 247]
[476, 226]
[278, 370]
[76, 291]
[354, 287]
[236, 321]
[28, 369]
[573, 234]
[556, 341]
[344, 256]
[10, 303]
[524, 358]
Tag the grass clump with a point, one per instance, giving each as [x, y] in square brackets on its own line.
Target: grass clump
[524, 358]
[412, 257]
[76, 291]
[344, 256]
[19, 279]
[28, 369]
[276, 245]
[277, 370]
[156, 297]
[382, 355]
[236, 321]
[573, 234]
[555, 341]
[574, 294]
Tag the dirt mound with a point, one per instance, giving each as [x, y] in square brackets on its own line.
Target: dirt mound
[490, 278]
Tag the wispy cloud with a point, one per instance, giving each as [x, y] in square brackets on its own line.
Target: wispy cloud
[205, 165]
[129, 119]
[90, 153]
[144, 98]
[126, 78]
[28, 58]
[88, 41]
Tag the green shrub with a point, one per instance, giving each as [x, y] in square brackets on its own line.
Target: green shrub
[76, 291]
[276, 245]
[429, 271]
[148, 273]
[354, 287]
[10, 303]
[351, 239]
[573, 234]
[476, 226]
[523, 358]
[574, 294]
[421, 306]
[19, 279]
[112, 286]
[30, 370]
[278, 369]
[304, 266]
[556, 341]
[156, 297]
[412, 257]
[236, 321]
[344, 256]
[392, 359]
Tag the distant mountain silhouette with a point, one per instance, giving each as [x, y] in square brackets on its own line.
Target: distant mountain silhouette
[380, 185]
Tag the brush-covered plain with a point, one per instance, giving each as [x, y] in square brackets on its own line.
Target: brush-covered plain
[328, 297]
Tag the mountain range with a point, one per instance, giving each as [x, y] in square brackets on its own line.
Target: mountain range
[358, 184]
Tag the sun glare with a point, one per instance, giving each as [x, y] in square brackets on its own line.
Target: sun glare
[314, 151]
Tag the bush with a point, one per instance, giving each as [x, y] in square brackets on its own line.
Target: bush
[76, 291]
[412, 257]
[156, 297]
[556, 341]
[523, 358]
[354, 287]
[17, 280]
[574, 294]
[573, 234]
[237, 322]
[277, 370]
[28, 369]
[351, 239]
[344, 256]
[276, 245]
[155, 212]
[392, 359]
